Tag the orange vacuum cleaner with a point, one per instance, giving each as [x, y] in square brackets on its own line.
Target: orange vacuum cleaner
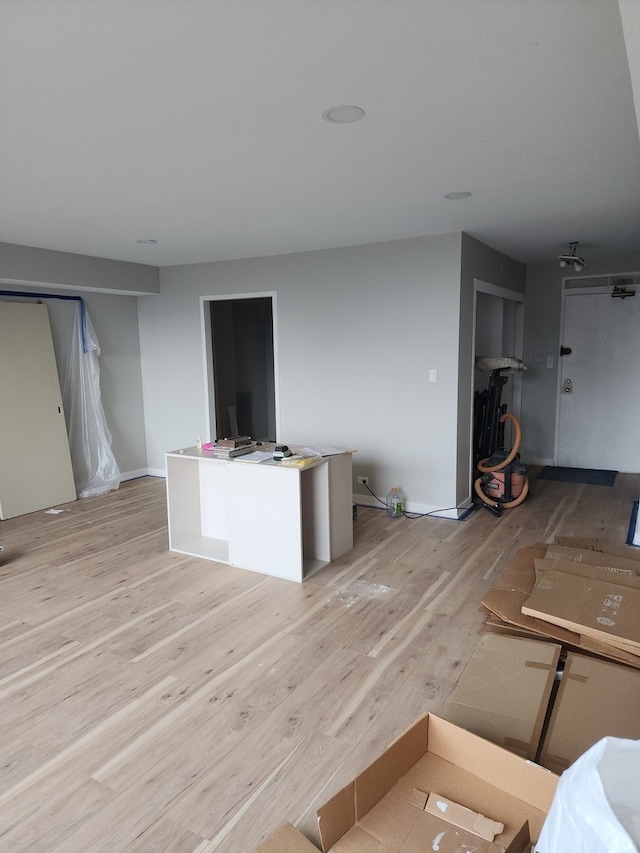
[503, 482]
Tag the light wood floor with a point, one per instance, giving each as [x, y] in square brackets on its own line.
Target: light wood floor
[154, 702]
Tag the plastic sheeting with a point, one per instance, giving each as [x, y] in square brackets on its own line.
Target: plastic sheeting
[76, 347]
[94, 465]
[596, 807]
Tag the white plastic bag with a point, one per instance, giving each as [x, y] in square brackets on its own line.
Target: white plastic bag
[94, 465]
[596, 808]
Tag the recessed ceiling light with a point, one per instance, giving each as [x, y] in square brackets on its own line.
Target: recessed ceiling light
[343, 114]
[457, 196]
[149, 242]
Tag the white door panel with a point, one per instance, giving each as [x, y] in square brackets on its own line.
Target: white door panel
[35, 463]
[599, 405]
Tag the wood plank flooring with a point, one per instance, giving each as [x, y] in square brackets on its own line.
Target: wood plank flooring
[155, 702]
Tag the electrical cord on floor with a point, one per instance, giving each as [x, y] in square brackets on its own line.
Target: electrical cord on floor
[412, 516]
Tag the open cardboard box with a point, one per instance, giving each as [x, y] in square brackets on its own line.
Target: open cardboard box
[381, 810]
[286, 839]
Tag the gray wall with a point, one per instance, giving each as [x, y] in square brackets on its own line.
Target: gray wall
[357, 331]
[479, 262]
[31, 266]
[542, 328]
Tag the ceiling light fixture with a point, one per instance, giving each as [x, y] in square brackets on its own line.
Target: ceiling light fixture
[343, 114]
[572, 259]
[146, 242]
[458, 196]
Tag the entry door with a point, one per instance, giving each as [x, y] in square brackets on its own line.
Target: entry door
[599, 404]
[35, 462]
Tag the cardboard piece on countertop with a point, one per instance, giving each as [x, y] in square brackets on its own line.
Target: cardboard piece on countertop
[504, 691]
[588, 556]
[374, 813]
[462, 817]
[286, 839]
[595, 699]
[605, 611]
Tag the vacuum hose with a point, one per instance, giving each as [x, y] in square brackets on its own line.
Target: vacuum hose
[482, 465]
[490, 469]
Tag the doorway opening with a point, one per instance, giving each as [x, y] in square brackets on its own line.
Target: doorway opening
[598, 393]
[498, 330]
[240, 353]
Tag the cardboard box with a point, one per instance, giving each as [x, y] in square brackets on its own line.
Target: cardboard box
[595, 699]
[607, 611]
[606, 574]
[510, 593]
[377, 811]
[599, 545]
[588, 556]
[504, 692]
[286, 839]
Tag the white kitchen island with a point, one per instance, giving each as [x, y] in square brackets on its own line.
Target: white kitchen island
[266, 517]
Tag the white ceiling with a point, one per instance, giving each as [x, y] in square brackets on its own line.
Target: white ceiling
[199, 123]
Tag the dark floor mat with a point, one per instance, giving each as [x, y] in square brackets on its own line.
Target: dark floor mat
[590, 476]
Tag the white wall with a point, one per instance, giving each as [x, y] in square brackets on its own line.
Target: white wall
[542, 328]
[357, 331]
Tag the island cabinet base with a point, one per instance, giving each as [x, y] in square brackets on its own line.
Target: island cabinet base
[276, 520]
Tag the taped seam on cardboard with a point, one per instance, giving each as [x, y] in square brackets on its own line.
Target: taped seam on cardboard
[575, 677]
[537, 664]
[520, 747]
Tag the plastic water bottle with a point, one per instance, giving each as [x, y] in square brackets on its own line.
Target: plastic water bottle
[395, 503]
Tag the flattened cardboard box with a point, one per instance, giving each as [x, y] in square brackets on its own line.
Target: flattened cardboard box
[606, 611]
[377, 811]
[506, 599]
[606, 574]
[595, 699]
[504, 692]
[600, 546]
[613, 562]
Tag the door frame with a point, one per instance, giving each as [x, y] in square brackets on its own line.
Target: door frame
[207, 352]
[518, 299]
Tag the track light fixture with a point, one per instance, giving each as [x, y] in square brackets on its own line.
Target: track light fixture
[572, 259]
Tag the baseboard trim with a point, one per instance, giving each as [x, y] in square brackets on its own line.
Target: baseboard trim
[142, 472]
[453, 513]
